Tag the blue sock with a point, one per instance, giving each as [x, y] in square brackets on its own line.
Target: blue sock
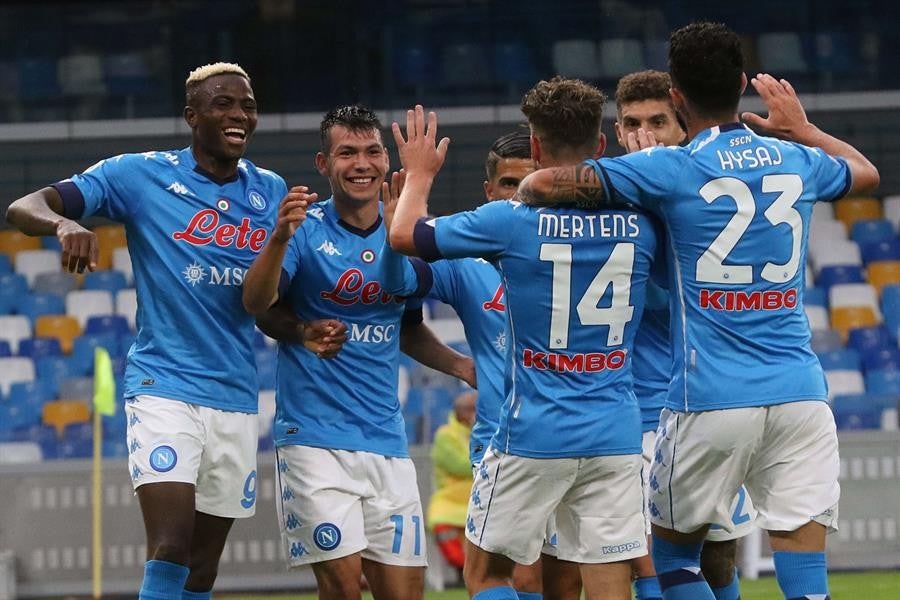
[647, 588]
[529, 595]
[801, 575]
[503, 592]
[163, 580]
[189, 595]
[678, 570]
[732, 591]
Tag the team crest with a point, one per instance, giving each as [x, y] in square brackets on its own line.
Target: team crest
[367, 256]
[327, 536]
[223, 204]
[163, 459]
[256, 200]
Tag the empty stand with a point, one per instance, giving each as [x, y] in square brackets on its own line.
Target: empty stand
[60, 413]
[31, 263]
[83, 304]
[62, 327]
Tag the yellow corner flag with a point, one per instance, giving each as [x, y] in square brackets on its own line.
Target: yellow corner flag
[104, 384]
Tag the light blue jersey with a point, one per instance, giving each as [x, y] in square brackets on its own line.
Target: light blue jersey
[737, 208]
[334, 270]
[574, 285]
[473, 288]
[191, 238]
[651, 363]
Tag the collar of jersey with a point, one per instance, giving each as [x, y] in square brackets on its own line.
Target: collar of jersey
[363, 233]
[191, 162]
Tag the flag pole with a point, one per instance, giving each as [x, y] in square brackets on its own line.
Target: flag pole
[96, 506]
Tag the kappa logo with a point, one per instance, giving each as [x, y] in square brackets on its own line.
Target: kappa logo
[327, 536]
[315, 212]
[179, 188]
[329, 248]
[163, 459]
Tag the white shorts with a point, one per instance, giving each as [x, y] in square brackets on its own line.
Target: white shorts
[596, 502]
[334, 503]
[215, 450]
[786, 456]
[743, 514]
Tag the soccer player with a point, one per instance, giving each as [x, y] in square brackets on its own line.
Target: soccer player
[195, 219]
[748, 400]
[568, 442]
[643, 102]
[348, 503]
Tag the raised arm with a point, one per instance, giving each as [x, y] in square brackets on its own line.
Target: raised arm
[261, 281]
[422, 157]
[41, 213]
[577, 184]
[787, 120]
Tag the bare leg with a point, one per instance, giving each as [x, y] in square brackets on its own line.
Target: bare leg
[393, 582]
[562, 579]
[608, 581]
[168, 510]
[486, 570]
[210, 533]
[338, 579]
[717, 561]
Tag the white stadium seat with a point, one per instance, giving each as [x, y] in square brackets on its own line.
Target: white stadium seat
[31, 262]
[13, 370]
[844, 381]
[836, 252]
[853, 294]
[14, 328]
[83, 304]
[121, 261]
[818, 317]
[126, 305]
[891, 210]
[576, 58]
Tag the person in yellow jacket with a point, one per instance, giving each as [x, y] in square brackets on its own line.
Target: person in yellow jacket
[452, 479]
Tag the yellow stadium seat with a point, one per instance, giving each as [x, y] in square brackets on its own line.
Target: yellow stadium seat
[883, 273]
[845, 318]
[62, 327]
[12, 240]
[850, 210]
[60, 413]
[109, 237]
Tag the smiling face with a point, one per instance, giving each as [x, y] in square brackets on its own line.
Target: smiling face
[355, 164]
[222, 117]
[654, 115]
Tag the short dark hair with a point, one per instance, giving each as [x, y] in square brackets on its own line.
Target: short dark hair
[643, 85]
[356, 118]
[516, 144]
[706, 64]
[565, 113]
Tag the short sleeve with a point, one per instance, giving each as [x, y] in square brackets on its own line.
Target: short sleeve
[104, 188]
[481, 233]
[643, 179]
[831, 175]
[444, 287]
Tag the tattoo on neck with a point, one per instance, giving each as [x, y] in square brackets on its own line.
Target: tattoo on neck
[579, 184]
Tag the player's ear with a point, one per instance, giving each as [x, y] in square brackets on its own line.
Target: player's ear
[619, 135]
[190, 116]
[487, 189]
[743, 83]
[601, 146]
[322, 164]
[535, 149]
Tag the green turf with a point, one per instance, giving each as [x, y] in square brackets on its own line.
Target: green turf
[875, 585]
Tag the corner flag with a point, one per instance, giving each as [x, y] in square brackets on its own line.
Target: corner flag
[104, 384]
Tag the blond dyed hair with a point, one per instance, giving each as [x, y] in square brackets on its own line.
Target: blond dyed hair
[202, 73]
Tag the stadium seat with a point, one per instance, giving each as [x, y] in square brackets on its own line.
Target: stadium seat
[55, 282]
[815, 296]
[891, 206]
[817, 317]
[126, 305]
[513, 63]
[266, 366]
[823, 211]
[845, 318]
[77, 441]
[868, 231]
[62, 327]
[835, 53]
[852, 209]
[121, 262]
[464, 65]
[13, 285]
[448, 330]
[413, 429]
[836, 252]
[32, 394]
[853, 294]
[82, 357]
[5, 264]
[60, 413]
[845, 359]
[844, 381]
[883, 382]
[52, 370]
[885, 250]
[883, 273]
[109, 237]
[83, 304]
[620, 56]
[838, 274]
[867, 339]
[14, 369]
[890, 306]
[111, 281]
[127, 74]
[77, 388]
[35, 306]
[576, 58]
[20, 453]
[39, 347]
[858, 411]
[15, 416]
[825, 340]
[115, 324]
[656, 54]
[781, 52]
[882, 359]
[14, 328]
[49, 242]
[13, 241]
[266, 414]
[32, 262]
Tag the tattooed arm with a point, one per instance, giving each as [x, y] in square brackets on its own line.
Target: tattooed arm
[578, 184]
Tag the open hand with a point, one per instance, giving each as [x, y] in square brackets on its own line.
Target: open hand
[786, 114]
[419, 152]
[390, 193]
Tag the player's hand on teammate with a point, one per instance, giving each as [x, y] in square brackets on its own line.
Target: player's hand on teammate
[640, 140]
[420, 152]
[324, 337]
[390, 193]
[79, 246]
[467, 373]
[786, 114]
[292, 212]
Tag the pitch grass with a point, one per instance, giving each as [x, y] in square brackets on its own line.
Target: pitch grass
[874, 585]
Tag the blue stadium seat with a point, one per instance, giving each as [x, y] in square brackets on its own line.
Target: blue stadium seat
[82, 357]
[39, 347]
[114, 324]
[115, 426]
[115, 448]
[266, 363]
[860, 411]
[871, 231]
[32, 394]
[867, 339]
[37, 305]
[412, 431]
[12, 287]
[111, 281]
[835, 274]
[37, 79]
[846, 358]
[414, 65]
[815, 296]
[413, 405]
[512, 63]
[883, 382]
[883, 250]
[15, 416]
[5, 265]
[882, 359]
[50, 242]
[52, 370]
[5, 349]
